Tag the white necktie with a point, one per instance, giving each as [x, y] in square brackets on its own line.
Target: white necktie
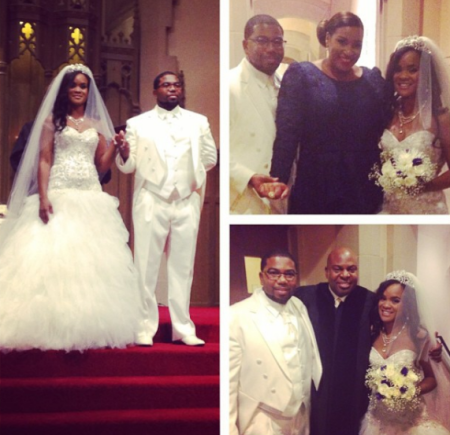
[338, 301]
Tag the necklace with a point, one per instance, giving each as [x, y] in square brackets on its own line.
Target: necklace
[407, 119]
[388, 340]
[77, 122]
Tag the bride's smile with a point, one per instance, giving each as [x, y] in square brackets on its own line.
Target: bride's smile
[390, 304]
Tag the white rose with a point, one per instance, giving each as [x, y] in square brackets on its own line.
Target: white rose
[398, 182]
[419, 170]
[410, 181]
[395, 393]
[387, 169]
[384, 182]
[403, 161]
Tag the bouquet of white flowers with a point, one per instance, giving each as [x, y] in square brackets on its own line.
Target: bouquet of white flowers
[394, 386]
[403, 172]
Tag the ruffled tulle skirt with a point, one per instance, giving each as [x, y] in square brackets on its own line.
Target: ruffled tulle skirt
[70, 284]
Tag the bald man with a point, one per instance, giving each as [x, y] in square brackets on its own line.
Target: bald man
[339, 312]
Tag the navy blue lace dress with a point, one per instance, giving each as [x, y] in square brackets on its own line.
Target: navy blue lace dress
[335, 128]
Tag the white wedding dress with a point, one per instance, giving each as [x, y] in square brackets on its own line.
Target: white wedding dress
[70, 284]
[380, 421]
[424, 203]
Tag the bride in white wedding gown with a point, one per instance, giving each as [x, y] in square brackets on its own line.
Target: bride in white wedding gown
[417, 141]
[67, 279]
[399, 356]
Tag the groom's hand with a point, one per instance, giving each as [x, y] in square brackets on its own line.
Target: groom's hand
[268, 187]
[436, 351]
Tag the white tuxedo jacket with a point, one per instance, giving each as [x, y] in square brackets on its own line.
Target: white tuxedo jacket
[147, 138]
[258, 369]
[252, 133]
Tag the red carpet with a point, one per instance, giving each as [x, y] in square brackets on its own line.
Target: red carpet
[166, 389]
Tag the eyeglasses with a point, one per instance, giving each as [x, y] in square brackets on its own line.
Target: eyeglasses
[264, 42]
[168, 85]
[275, 274]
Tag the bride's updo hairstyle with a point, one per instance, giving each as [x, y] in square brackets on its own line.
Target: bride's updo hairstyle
[61, 107]
[409, 311]
[341, 19]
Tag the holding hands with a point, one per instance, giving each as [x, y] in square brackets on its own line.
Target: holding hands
[122, 145]
[269, 187]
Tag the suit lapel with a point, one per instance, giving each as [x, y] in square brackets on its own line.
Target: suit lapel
[256, 97]
[264, 322]
[192, 132]
[302, 313]
[157, 133]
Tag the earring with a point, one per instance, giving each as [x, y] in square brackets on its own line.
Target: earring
[327, 52]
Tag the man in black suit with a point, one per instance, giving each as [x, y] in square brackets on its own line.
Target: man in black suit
[340, 313]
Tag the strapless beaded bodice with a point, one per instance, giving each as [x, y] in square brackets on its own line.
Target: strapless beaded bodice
[424, 142]
[73, 166]
[405, 357]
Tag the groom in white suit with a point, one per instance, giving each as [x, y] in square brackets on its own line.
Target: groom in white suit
[170, 149]
[273, 355]
[254, 86]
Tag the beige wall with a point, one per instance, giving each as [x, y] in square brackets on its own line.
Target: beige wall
[380, 249]
[420, 249]
[433, 272]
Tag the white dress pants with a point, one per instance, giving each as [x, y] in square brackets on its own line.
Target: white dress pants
[157, 223]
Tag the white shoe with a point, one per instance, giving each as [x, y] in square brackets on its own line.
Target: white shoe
[144, 338]
[192, 340]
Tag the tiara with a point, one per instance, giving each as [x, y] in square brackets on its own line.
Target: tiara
[416, 42]
[79, 67]
[403, 277]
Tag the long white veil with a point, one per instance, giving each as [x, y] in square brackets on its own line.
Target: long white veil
[423, 314]
[433, 71]
[26, 182]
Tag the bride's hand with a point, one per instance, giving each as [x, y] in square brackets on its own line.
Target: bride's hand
[122, 145]
[45, 209]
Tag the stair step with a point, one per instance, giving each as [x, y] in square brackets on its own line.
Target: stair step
[159, 360]
[164, 389]
[129, 422]
[91, 394]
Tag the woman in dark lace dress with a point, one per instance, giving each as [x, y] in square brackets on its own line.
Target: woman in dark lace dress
[331, 114]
